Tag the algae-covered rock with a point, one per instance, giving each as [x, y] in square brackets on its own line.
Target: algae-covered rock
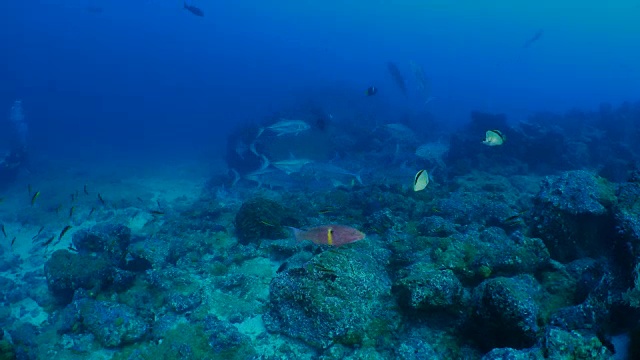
[573, 215]
[505, 312]
[513, 354]
[477, 255]
[562, 344]
[67, 272]
[415, 348]
[226, 341]
[6, 348]
[147, 254]
[109, 240]
[113, 324]
[337, 297]
[425, 289]
[25, 340]
[263, 218]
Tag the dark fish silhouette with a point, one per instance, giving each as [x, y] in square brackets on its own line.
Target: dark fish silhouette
[194, 10]
[534, 38]
[371, 90]
[397, 77]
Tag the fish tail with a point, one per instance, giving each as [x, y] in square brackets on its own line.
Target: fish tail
[297, 233]
[358, 178]
[265, 163]
[236, 177]
[252, 147]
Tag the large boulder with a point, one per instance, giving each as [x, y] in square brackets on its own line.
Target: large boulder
[337, 297]
[110, 241]
[573, 215]
[66, 272]
[505, 312]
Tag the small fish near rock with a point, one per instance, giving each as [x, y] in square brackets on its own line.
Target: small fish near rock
[333, 235]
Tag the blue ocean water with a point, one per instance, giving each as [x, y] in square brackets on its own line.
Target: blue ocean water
[148, 74]
[144, 114]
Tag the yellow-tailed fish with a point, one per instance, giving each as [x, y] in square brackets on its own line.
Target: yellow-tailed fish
[421, 180]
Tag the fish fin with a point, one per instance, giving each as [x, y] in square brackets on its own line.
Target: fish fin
[260, 131]
[252, 147]
[265, 163]
[236, 177]
[358, 178]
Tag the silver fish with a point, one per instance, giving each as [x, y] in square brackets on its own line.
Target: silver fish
[291, 165]
[270, 177]
[286, 127]
[330, 171]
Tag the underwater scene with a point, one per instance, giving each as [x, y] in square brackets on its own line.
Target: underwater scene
[360, 180]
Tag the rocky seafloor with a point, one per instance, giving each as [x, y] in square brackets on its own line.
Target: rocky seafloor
[493, 263]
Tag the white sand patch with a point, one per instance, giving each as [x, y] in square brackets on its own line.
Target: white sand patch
[29, 311]
[139, 220]
[252, 327]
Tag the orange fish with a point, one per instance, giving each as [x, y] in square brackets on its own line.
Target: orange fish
[333, 235]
